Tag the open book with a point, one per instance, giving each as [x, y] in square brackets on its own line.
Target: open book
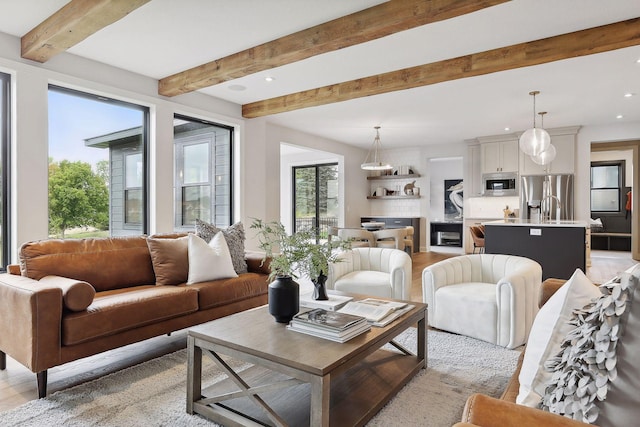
[372, 309]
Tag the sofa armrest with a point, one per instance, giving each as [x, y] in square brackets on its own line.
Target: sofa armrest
[255, 262]
[485, 411]
[30, 321]
[549, 287]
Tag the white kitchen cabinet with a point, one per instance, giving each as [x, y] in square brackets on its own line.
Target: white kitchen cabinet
[501, 156]
[564, 140]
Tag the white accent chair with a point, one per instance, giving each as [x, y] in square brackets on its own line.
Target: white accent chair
[490, 297]
[380, 272]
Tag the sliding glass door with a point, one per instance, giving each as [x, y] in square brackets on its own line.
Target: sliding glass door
[315, 197]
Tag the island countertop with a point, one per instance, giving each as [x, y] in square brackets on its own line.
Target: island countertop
[531, 223]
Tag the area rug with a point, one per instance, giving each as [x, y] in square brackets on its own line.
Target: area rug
[153, 393]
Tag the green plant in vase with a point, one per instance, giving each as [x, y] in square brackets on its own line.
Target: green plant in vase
[315, 265]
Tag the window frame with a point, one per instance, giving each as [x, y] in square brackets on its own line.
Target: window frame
[179, 184]
[316, 226]
[144, 142]
[5, 152]
[621, 176]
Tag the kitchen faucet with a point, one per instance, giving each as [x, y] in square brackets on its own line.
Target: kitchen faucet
[547, 212]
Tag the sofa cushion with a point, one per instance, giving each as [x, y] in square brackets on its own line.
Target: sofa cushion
[595, 375]
[468, 309]
[120, 310]
[234, 235]
[549, 328]
[226, 291]
[105, 263]
[170, 259]
[209, 261]
[76, 295]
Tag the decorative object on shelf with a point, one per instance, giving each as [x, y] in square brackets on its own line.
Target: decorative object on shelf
[408, 189]
[535, 140]
[380, 191]
[547, 155]
[374, 163]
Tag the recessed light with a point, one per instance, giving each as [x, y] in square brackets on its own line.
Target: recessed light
[269, 79]
[507, 129]
[629, 95]
[237, 88]
[619, 116]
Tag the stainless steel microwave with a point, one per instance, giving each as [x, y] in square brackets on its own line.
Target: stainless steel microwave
[500, 184]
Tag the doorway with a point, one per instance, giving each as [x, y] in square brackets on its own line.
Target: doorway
[633, 148]
[315, 198]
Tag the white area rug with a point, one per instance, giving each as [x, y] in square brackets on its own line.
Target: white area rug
[153, 393]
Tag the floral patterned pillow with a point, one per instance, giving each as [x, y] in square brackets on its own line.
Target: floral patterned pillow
[234, 235]
[586, 366]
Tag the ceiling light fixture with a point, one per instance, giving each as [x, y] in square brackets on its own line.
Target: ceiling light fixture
[619, 116]
[269, 79]
[375, 163]
[547, 155]
[629, 95]
[535, 140]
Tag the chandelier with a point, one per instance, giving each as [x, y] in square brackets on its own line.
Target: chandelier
[547, 156]
[535, 140]
[373, 162]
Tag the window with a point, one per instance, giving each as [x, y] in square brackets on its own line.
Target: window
[203, 172]
[4, 164]
[97, 165]
[606, 181]
[315, 197]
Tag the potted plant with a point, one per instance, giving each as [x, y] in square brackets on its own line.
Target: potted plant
[285, 253]
[291, 254]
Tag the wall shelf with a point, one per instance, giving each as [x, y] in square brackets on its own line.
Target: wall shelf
[393, 197]
[385, 177]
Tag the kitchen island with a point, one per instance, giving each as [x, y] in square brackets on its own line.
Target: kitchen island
[558, 246]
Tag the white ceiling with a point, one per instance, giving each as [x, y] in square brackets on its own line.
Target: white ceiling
[166, 36]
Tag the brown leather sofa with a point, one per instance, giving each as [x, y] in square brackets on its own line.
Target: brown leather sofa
[485, 411]
[71, 299]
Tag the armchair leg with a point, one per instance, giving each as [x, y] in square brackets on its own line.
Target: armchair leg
[3, 360]
[42, 383]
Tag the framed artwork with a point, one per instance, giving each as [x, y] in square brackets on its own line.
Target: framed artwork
[453, 199]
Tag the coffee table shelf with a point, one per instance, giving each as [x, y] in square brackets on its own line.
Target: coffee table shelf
[309, 381]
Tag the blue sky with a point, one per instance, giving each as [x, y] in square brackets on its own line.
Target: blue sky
[72, 119]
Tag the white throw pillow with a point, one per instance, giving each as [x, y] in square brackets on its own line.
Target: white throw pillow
[549, 328]
[209, 261]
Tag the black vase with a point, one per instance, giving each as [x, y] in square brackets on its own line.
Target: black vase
[319, 288]
[284, 298]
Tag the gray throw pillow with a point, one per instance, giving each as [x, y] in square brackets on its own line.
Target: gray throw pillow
[593, 373]
[234, 235]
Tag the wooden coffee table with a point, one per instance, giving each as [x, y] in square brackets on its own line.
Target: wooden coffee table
[296, 379]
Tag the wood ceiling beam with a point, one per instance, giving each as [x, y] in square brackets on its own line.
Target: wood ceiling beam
[580, 43]
[359, 27]
[73, 23]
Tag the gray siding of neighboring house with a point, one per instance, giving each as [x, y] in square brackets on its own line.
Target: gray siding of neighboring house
[117, 189]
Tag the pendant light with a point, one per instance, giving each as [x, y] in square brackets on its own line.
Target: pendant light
[535, 140]
[374, 163]
[547, 155]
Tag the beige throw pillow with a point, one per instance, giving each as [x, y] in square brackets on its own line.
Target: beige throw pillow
[234, 235]
[209, 261]
[170, 259]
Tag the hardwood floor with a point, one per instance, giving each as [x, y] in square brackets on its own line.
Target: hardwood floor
[18, 384]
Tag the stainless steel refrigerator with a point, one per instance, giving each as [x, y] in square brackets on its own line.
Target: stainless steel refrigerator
[546, 197]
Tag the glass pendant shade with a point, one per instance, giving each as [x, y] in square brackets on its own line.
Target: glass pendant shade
[546, 156]
[534, 141]
[373, 162]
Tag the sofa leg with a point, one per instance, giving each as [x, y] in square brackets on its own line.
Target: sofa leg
[3, 360]
[42, 383]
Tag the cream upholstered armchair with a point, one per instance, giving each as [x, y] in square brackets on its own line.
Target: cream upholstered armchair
[490, 297]
[380, 272]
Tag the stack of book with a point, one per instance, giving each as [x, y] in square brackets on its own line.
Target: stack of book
[378, 312]
[330, 325]
[334, 302]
